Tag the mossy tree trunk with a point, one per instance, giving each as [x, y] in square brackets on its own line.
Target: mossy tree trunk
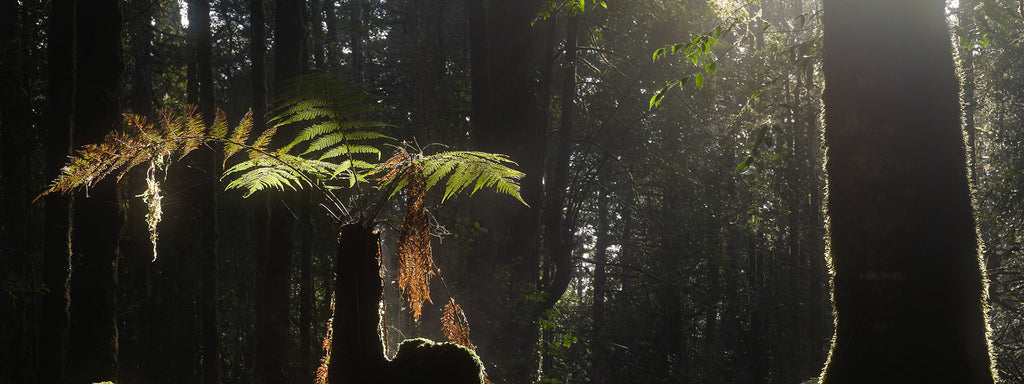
[357, 351]
[907, 282]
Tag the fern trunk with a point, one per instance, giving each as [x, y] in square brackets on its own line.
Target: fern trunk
[907, 285]
[357, 351]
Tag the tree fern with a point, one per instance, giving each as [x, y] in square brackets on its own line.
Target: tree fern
[334, 145]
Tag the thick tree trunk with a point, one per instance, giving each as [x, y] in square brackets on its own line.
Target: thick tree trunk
[93, 340]
[276, 346]
[502, 119]
[426, 25]
[907, 281]
[205, 196]
[57, 214]
[357, 350]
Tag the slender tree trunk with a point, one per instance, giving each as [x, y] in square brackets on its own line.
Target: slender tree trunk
[331, 39]
[57, 215]
[357, 350]
[258, 50]
[597, 342]
[356, 33]
[307, 352]
[257, 56]
[93, 340]
[907, 281]
[557, 236]
[479, 73]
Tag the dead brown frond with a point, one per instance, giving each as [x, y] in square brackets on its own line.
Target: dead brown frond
[455, 326]
[395, 163]
[325, 362]
[415, 263]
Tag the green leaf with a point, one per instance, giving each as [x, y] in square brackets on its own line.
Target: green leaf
[711, 68]
[658, 53]
[744, 165]
[698, 80]
[656, 99]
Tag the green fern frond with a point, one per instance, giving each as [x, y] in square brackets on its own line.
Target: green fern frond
[344, 138]
[461, 171]
[278, 171]
[348, 150]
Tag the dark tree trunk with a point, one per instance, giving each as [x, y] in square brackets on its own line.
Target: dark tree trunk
[258, 52]
[503, 108]
[17, 144]
[257, 56]
[205, 195]
[142, 101]
[290, 33]
[93, 341]
[356, 33]
[357, 350]
[907, 280]
[479, 73]
[426, 22]
[557, 236]
[331, 39]
[307, 354]
[315, 43]
[57, 215]
[275, 347]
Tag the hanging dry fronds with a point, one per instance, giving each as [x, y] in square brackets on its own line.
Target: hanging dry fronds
[325, 362]
[455, 326]
[394, 165]
[415, 263]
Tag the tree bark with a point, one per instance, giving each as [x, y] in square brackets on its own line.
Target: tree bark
[93, 338]
[907, 280]
[57, 213]
[16, 137]
[205, 195]
[276, 347]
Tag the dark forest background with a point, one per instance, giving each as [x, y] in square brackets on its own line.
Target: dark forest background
[679, 243]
